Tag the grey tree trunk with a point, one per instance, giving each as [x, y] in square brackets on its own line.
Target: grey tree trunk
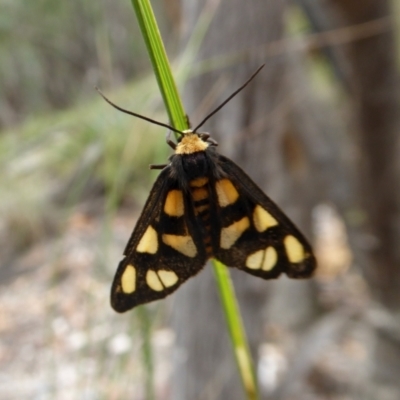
[367, 68]
[289, 144]
[254, 130]
[376, 92]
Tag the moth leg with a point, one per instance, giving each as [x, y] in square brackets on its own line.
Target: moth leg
[158, 166]
[212, 142]
[169, 141]
[204, 136]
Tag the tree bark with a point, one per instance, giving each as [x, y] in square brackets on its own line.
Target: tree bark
[274, 137]
[253, 130]
[375, 89]
[376, 92]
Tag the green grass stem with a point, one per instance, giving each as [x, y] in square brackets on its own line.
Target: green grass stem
[177, 115]
[159, 60]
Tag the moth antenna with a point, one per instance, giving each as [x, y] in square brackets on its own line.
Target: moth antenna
[137, 115]
[229, 98]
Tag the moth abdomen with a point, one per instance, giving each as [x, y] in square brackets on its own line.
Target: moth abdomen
[201, 196]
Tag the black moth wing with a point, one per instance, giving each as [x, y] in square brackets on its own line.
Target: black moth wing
[145, 276]
[253, 242]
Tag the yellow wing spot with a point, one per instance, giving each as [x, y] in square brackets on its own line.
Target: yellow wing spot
[263, 219]
[149, 242]
[262, 259]
[270, 259]
[198, 182]
[254, 260]
[168, 278]
[128, 279]
[231, 233]
[174, 204]
[153, 281]
[183, 244]
[200, 194]
[226, 192]
[294, 249]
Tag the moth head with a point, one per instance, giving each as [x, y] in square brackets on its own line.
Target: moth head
[191, 142]
[189, 132]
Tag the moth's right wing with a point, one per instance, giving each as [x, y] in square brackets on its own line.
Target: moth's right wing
[165, 248]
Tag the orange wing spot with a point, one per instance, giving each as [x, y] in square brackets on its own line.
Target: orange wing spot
[199, 182]
[231, 233]
[183, 244]
[226, 192]
[270, 259]
[200, 194]
[254, 261]
[149, 242]
[128, 279]
[168, 278]
[200, 209]
[294, 249]
[153, 281]
[174, 204]
[263, 219]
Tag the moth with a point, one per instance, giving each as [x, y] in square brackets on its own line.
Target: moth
[204, 206]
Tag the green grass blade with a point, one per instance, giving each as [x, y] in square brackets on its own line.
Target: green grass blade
[236, 330]
[159, 60]
[173, 103]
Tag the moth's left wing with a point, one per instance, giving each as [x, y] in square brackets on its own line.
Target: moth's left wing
[256, 236]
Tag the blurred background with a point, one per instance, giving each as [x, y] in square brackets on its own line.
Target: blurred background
[318, 130]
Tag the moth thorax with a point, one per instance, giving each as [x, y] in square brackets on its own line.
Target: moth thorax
[190, 143]
[195, 164]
